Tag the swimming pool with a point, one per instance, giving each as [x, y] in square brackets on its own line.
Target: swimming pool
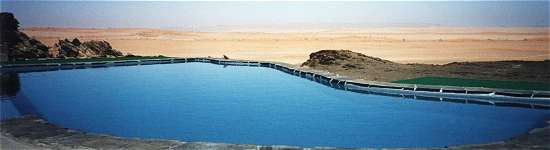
[252, 105]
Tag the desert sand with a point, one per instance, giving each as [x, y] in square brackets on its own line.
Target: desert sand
[431, 45]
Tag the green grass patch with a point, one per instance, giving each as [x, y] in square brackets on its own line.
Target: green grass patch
[516, 85]
[92, 59]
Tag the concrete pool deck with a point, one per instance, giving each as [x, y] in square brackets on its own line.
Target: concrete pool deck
[31, 132]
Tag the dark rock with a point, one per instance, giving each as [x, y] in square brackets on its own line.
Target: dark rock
[17, 45]
[331, 57]
[76, 42]
[266, 148]
[130, 55]
[225, 57]
[92, 48]
[29, 48]
[353, 66]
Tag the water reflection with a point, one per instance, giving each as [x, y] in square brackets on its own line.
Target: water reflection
[9, 84]
[13, 102]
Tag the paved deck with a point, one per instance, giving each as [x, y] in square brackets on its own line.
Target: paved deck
[31, 132]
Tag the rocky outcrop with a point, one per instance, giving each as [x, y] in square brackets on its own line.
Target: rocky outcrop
[75, 48]
[354, 65]
[357, 65]
[345, 58]
[17, 45]
[30, 48]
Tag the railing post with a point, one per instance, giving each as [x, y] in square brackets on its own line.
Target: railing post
[345, 85]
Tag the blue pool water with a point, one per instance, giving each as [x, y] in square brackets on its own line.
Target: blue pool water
[252, 105]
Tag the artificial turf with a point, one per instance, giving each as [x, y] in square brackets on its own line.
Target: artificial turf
[446, 81]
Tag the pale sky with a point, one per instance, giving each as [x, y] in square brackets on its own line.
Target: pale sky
[185, 14]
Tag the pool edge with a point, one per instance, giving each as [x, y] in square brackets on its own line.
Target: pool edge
[334, 81]
[466, 95]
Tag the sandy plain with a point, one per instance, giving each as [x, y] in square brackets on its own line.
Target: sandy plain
[431, 45]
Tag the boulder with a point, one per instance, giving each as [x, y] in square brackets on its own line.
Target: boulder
[343, 57]
[29, 48]
[93, 48]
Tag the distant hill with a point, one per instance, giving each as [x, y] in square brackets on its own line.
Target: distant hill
[358, 65]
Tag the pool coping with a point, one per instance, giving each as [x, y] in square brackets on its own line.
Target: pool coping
[534, 99]
[32, 131]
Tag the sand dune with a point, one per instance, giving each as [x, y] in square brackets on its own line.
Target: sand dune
[436, 45]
